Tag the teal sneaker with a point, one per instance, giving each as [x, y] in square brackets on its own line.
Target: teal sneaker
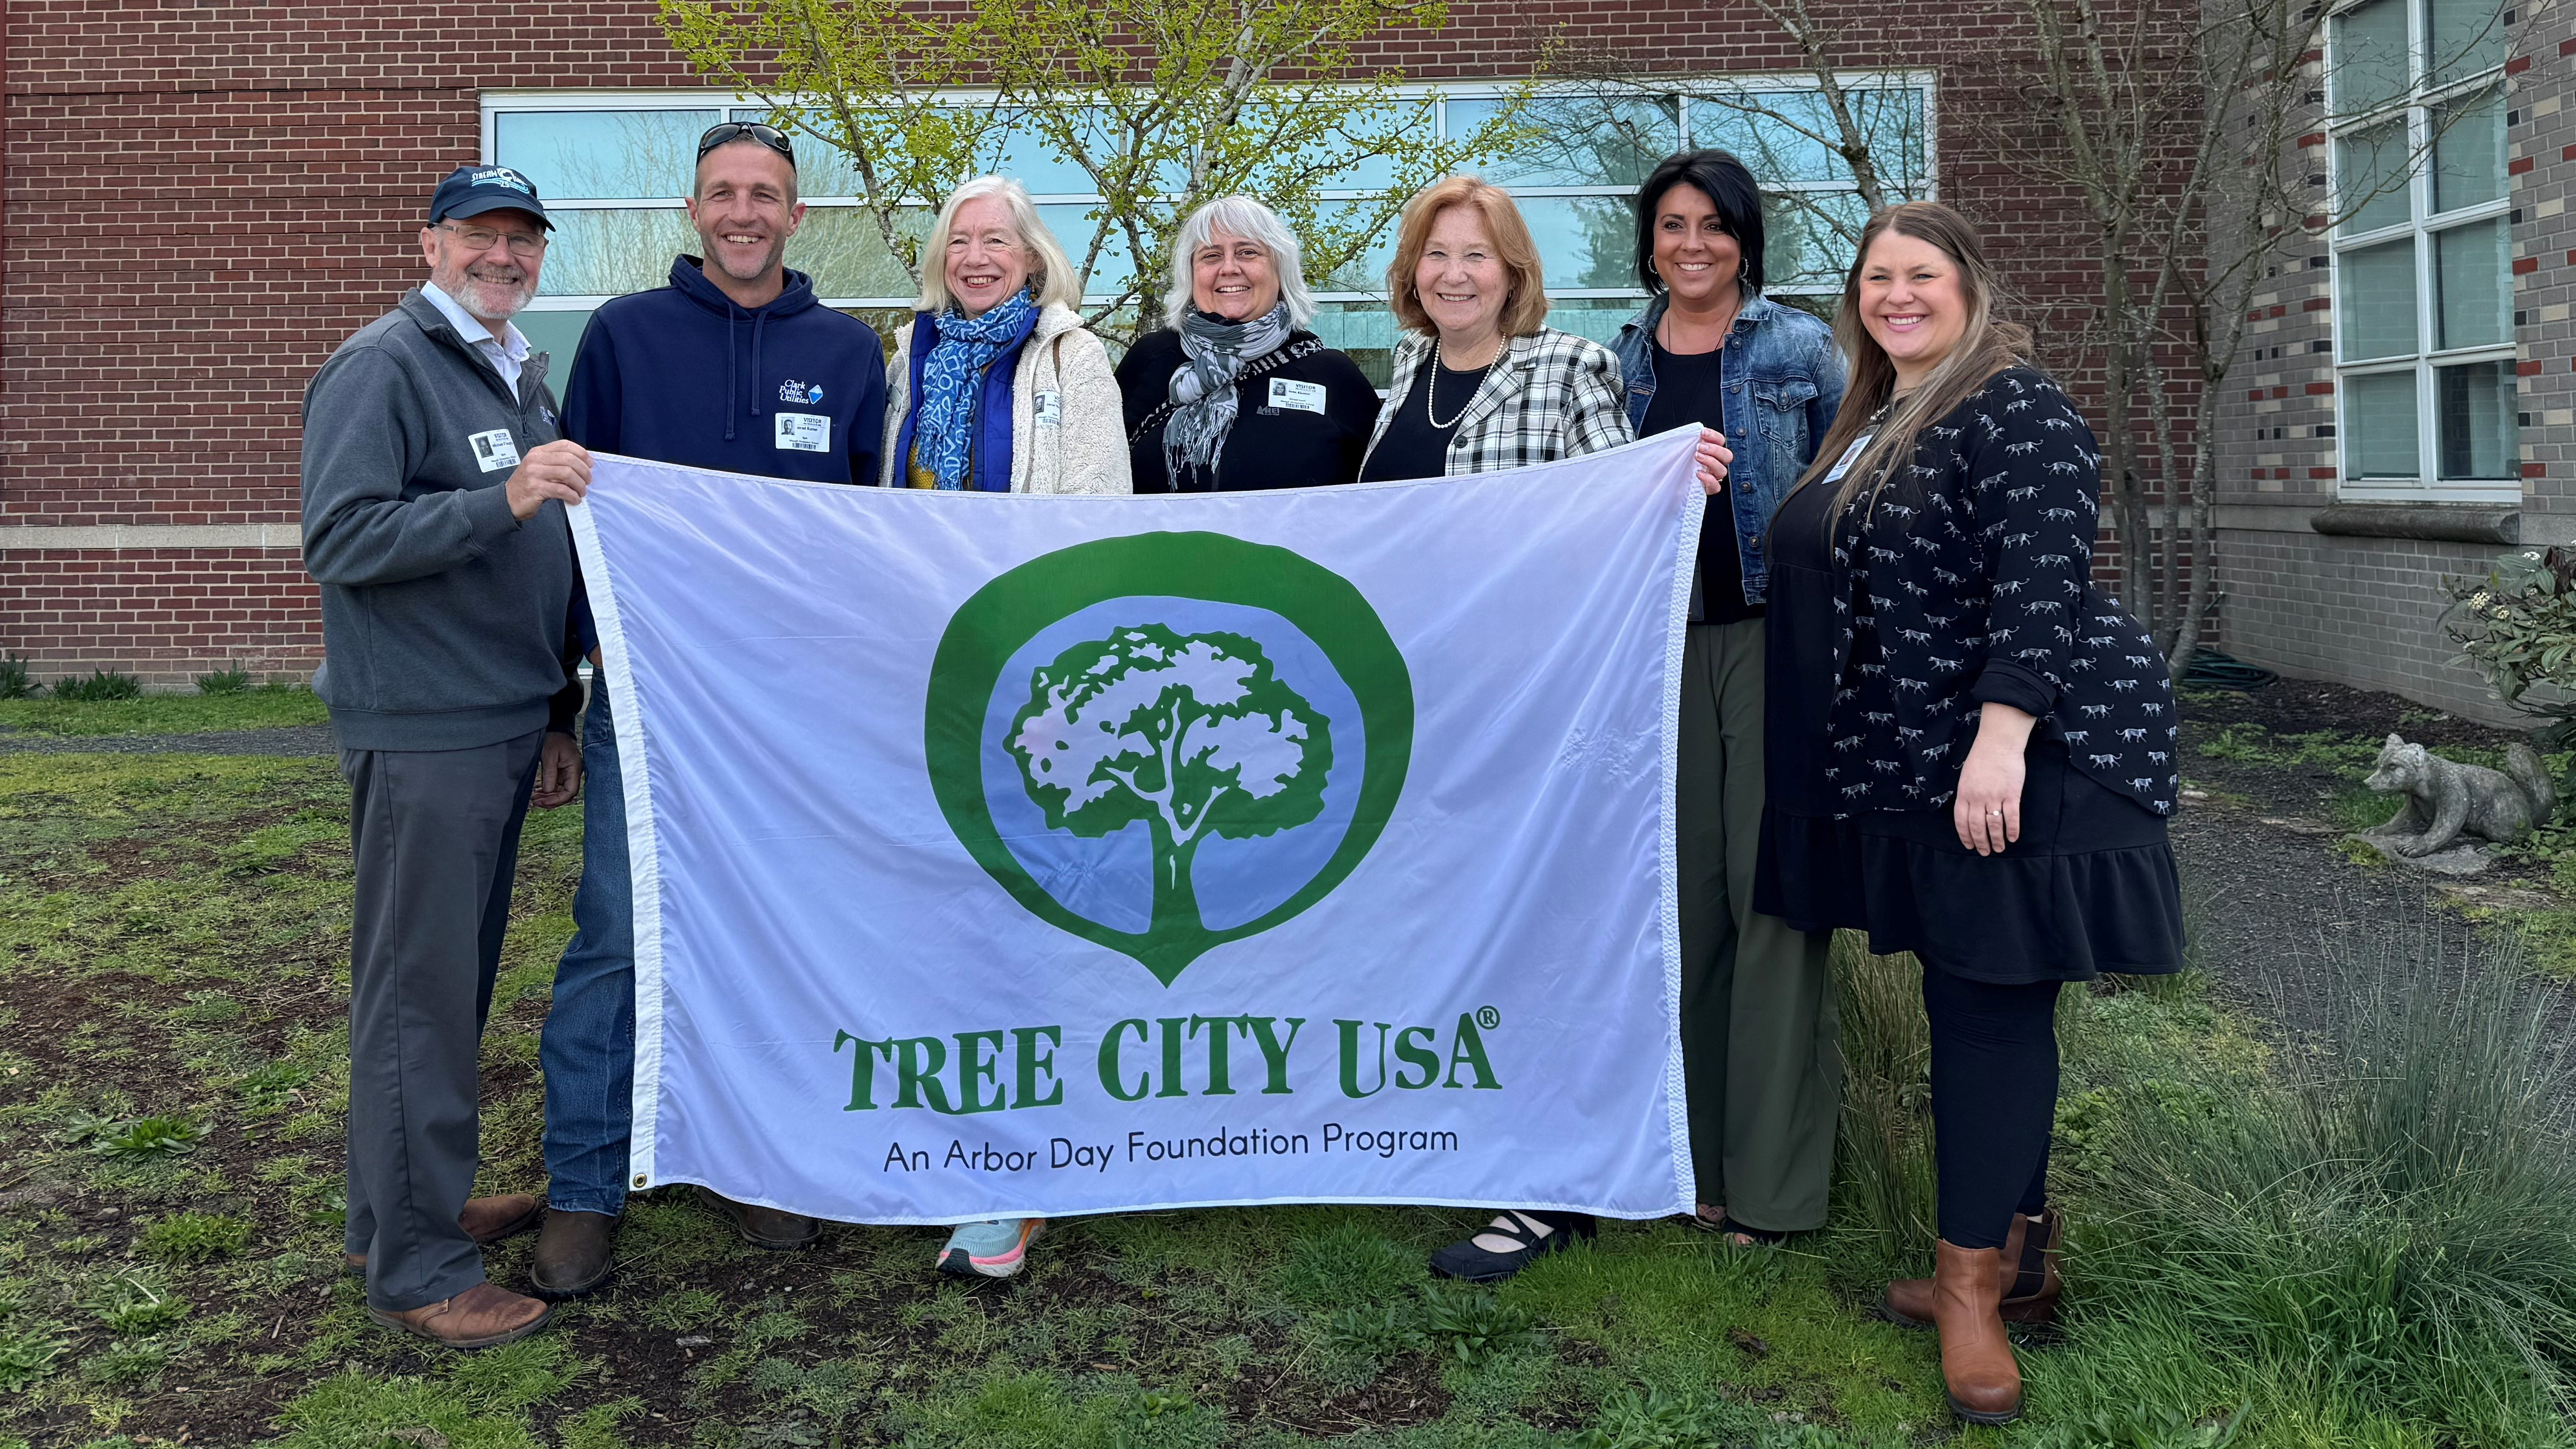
[996, 1248]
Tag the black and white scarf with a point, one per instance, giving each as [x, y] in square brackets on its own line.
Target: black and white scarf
[1203, 403]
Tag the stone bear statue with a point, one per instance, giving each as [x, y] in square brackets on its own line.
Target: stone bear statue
[2446, 801]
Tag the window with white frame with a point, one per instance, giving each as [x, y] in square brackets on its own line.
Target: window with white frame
[2423, 295]
[613, 173]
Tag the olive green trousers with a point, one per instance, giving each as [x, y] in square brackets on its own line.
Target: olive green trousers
[1761, 1054]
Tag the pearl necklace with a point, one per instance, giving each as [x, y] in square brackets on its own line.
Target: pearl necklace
[1431, 394]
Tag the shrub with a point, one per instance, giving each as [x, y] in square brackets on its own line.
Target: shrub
[14, 683]
[194, 1237]
[98, 684]
[1471, 1324]
[235, 680]
[2390, 1216]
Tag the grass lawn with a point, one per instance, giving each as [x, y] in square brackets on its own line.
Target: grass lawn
[264, 707]
[173, 980]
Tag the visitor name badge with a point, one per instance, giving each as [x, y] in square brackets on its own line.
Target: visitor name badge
[1844, 465]
[1049, 411]
[494, 450]
[805, 432]
[1304, 397]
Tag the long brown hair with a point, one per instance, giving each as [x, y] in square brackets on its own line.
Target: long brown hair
[1986, 347]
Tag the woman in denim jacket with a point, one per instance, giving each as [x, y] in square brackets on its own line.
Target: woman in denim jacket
[1760, 1057]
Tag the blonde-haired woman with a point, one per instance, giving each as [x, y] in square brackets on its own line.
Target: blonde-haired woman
[1970, 747]
[997, 386]
[1480, 382]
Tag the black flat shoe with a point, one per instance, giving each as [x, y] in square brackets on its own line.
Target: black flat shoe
[1465, 1261]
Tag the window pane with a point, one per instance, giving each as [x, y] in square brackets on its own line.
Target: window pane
[2371, 172]
[1582, 140]
[1073, 230]
[611, 253]
[1411, 120]
[2467, 37]
[1791, 135]
[2473, 406]
[1807, 237]
[1583, 241]
[2472, 293]
[1364, 272]
[842, 249]
[1028, 158]
[822, 169]
[602, 155]
[2379, 426]
[1365, 330]
[2370, 67]
[2378, 288]
[2468, 152]
[558, 333]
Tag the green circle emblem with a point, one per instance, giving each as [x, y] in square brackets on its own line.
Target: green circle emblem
[1145, 717]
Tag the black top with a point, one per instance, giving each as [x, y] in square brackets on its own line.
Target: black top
[1412, 447]
[1689, 392]
[1972, 575]
[1300, 423]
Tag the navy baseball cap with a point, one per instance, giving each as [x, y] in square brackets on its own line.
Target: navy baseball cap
[473, 190]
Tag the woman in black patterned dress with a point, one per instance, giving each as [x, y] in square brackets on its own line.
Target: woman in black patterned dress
[1971, 748]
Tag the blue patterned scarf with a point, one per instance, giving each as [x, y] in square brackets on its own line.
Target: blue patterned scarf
[952, 380]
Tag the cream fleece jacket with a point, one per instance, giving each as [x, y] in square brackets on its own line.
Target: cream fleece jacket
[1080, 446]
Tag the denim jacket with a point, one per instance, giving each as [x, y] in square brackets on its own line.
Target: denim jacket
[1796, 380]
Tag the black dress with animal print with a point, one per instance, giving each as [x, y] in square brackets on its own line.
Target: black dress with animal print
[1967, 583]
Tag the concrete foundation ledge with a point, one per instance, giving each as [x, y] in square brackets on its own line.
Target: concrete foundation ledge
[2495, 523]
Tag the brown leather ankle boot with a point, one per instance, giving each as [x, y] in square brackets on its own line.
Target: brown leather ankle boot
[1977, 1365]
[2028, 1267]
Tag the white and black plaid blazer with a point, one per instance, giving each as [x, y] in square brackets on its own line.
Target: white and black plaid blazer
[1550, 395]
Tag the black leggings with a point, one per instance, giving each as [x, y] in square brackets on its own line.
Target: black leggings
[1994, 1100]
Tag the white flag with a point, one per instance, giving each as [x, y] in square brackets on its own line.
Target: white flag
[1003, 855]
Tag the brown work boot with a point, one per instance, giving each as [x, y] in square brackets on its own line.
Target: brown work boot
[480, 1317]
[765, 1227]
[574, 1254]
[1977, 1365]
[2030, 1283]
[487, 1220]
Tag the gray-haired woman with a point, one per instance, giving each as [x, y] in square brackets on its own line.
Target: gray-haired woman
[1236, 394]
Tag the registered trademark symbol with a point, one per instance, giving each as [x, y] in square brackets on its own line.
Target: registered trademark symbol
[1488, 1018]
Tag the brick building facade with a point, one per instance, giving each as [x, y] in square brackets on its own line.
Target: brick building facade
[201, 201]
[2332, 560]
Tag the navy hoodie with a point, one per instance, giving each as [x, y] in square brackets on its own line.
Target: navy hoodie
[682, 374]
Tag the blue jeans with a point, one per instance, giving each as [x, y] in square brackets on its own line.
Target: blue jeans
[588, 1049]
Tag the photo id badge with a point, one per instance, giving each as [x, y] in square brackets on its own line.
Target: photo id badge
[805, 432]
[494, 450]
[1844, 466]
[1049, 409]
[1304, 397]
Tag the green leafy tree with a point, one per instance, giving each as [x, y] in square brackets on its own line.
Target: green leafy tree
[1162, 104]
[1195, 735]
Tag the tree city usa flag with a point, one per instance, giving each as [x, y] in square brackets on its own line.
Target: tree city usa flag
[1003, 855]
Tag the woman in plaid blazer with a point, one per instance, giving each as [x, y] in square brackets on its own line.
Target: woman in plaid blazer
[1479, 384]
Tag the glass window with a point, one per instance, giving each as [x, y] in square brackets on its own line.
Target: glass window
[2474, 405]
[2370, 66]
[1786, 136]
[1579, 141]
[822, 169]
[602, 155]
[557, 334]
[2379, 426]
[611, 253]
[2473, 303]
[843, 250]
[2468, 151]
[1584, 241]
[2370, 175]
[2378, 285]
[1807, 237]
[2465, 37]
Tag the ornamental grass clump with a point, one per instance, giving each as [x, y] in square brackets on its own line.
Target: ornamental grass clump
[2387, 1224]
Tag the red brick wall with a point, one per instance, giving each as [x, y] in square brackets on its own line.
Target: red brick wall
[202, 200]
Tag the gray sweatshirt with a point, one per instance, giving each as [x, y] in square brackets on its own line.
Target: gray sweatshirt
[443, 617]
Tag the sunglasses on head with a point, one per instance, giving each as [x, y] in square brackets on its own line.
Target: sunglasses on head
[730, 131]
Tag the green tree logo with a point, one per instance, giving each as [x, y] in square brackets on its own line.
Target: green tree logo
[1193, 734]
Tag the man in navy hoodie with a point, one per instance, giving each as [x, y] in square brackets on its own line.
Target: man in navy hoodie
[732, 366]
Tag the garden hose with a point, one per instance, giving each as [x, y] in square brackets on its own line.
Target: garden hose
[2210, 669]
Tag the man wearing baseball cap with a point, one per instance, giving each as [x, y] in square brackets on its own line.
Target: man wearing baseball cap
[434, 490]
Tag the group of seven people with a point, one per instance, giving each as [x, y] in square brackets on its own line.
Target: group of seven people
[1906, 709]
